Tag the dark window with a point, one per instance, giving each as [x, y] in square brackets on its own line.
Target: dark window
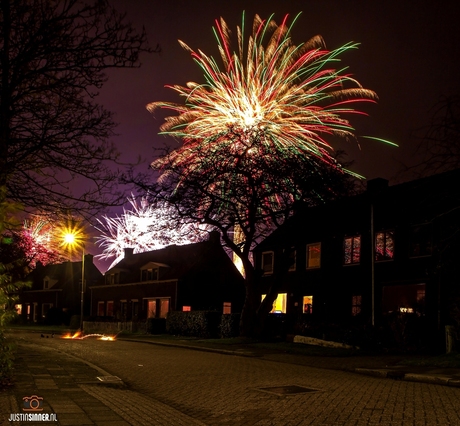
[420, 241]
[267, 262]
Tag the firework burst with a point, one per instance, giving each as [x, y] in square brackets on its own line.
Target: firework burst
[144, 227]
[270, 99]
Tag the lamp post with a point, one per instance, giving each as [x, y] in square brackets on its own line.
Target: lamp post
[73, 237]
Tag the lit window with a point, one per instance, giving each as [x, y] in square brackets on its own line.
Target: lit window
[18, 309]
[279, 305]
[384, 245]
[227, 308]
[267, 262]
[420, 241]
[186, 308]
[356, 302]
[351, 250]
[307, 305]
[314, 255]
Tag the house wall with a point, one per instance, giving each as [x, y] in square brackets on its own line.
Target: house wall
[406, 281]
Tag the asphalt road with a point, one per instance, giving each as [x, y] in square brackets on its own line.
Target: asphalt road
[218, 389]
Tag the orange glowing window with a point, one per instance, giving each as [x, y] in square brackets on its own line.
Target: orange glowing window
[314, 255]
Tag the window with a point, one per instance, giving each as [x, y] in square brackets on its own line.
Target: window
[186, 308]
[227, 308]
[18, 309]
[420, 241]
[109, 312]
[279, 305]
[267, 262]
[100, 309]
[292, 259]
[404, 298]
[151, 308]
[158, 308]
[149, 274]
[135, 308]
[313, 255]
[351, 250]
[45, 308]
[384, 245]
[164, 307]
[307, 305]
[356, 302]
[123, 309]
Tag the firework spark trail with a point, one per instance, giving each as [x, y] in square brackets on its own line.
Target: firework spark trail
[144, 228]
[277, 102]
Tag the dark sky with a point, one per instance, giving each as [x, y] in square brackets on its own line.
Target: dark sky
[409, 55]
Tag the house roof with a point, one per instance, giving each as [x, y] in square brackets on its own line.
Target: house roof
[63, 273]
[414, 202]
[177, 261]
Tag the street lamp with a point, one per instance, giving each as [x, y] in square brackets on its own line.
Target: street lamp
[73, 238]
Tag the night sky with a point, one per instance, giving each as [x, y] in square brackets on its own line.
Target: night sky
[409, 55]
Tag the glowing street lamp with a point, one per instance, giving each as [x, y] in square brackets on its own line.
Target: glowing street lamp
[72, 239]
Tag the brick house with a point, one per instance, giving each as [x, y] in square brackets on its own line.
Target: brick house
[58, 286]
[390, 250]
[197, 276]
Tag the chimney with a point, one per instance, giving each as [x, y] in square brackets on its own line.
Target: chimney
[88, 258]
[128, 252]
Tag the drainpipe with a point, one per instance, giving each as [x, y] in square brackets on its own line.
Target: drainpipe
[372, 266]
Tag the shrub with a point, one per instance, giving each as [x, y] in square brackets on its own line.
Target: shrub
[203, 324]
[6, 361]
[229, 325]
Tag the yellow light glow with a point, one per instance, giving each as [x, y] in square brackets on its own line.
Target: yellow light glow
[72, 237]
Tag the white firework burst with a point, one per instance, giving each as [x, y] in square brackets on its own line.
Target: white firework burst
[144, 227]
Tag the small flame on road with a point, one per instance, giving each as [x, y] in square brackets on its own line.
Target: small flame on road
[79, 336]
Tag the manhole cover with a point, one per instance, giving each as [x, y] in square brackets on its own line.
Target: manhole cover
[109, 379]
[287, 390]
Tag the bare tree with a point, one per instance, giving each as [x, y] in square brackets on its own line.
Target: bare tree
[245, 199]
[439, 146]
[53, 60]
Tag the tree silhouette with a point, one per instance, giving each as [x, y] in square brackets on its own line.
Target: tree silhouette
[53, 60]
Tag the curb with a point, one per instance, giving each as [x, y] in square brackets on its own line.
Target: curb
[409, 377]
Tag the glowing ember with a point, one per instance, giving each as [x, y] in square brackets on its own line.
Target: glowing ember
[79, 336]
[72, 336]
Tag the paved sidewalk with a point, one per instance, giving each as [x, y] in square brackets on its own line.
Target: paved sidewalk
[73, 390]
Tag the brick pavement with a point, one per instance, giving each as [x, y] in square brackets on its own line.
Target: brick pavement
[217, 389]
[71, 390]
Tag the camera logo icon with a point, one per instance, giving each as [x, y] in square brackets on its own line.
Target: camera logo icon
[33, 403]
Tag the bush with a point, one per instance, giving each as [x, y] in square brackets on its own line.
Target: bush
[229, 326]
[203, 324]
[6, 361]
